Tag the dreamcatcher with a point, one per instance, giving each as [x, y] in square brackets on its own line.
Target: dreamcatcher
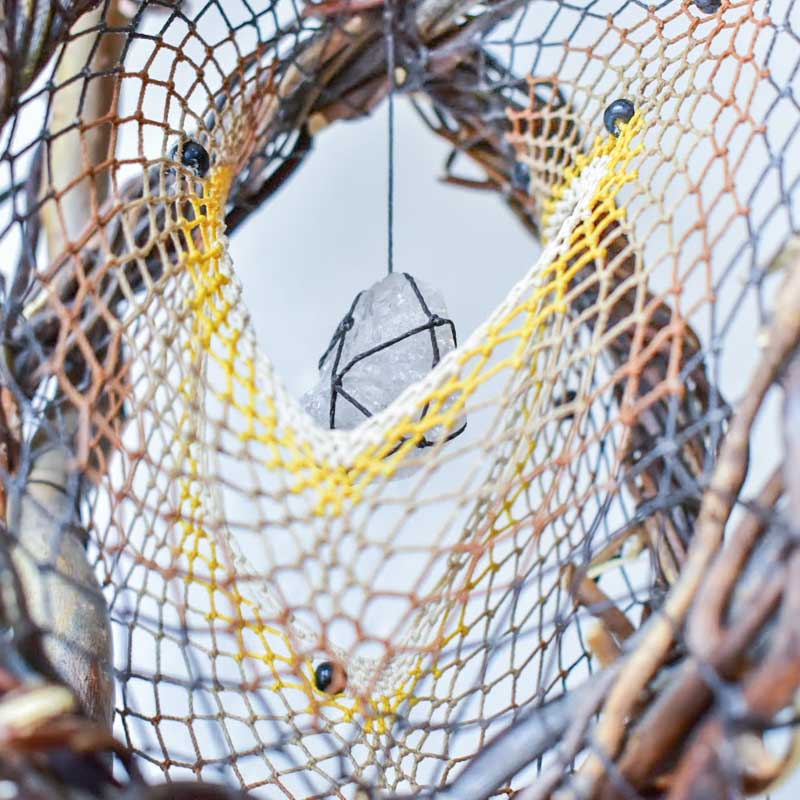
[553, 556]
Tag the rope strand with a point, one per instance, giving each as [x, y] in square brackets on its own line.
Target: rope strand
[388, 18]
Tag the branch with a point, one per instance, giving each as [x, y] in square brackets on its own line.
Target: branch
[531, 736]
[60, 589]
[791, 433]
[768, 689]
[30, 32]
[640, 666]
[666, 724]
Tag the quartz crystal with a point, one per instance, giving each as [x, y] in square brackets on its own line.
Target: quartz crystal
[390, 310]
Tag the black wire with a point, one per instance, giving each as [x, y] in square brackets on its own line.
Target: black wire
[388, 19]
[339, 372]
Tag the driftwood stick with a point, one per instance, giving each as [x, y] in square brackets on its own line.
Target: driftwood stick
[75, 175]
[61, 592]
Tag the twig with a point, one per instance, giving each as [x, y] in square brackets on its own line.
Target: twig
[666, 723]
[612, 627]
[704, 629]
[641, 664]
[768, 689]
[29, 34]
[302, 147]
[26, 263]
[329, 8]
[791, 438]
[532, 734]
[586, 702]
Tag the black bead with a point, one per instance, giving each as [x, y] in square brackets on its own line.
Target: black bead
[619, 111]
[323, 675]
[521, 176]
[708, 6]
[568, 397]
[195, 157]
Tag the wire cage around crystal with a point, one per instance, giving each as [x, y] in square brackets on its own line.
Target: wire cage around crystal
[342, 366]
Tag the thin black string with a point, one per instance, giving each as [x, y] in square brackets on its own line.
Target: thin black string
[388, 20]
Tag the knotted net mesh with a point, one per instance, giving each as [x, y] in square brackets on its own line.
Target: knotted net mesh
[543, 603]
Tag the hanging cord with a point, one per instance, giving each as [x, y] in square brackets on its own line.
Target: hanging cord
[388, 22]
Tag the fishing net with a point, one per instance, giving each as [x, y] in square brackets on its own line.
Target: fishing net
[553, 564]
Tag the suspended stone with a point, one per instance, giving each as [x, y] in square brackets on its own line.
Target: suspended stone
[393, 335]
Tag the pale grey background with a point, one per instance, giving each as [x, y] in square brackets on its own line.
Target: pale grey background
[306, 254]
